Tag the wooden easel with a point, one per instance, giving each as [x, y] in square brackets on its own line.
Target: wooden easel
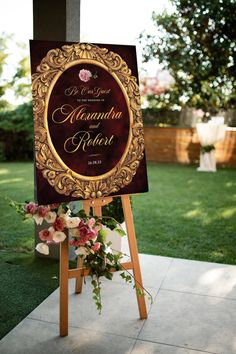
[79, 272]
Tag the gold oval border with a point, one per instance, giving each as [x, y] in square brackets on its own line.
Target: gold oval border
[59, 159]
[59, 176]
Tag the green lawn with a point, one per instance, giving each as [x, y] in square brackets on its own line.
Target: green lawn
[25, 281]
[186, 214]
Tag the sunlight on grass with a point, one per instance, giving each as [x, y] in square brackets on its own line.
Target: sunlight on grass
[197, 203]
[11, 180]
[193, 213]
[228, 213]
[4, 171]
[230, 184]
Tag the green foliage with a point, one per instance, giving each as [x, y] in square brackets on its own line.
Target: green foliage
[21, 79]
[207, 148]
[114, 209]
[16, 131]
[3, 60]
[156, 115]
[197, 44]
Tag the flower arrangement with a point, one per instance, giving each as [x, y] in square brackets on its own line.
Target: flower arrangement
[207, 148]
[87, 234]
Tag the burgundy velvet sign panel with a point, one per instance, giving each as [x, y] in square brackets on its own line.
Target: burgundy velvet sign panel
[88, 127]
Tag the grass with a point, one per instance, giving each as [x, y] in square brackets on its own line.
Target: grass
[25, 280]
[186, 214]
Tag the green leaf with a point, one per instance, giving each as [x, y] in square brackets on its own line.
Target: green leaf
[120, 231]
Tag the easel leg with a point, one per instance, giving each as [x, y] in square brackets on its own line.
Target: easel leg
[79, 280]
[134, 253]
[64, 268]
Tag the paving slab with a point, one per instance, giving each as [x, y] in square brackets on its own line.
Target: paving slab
[192, 321]
[143, 347]
[193, 313]
[37, 337]
[119, 314]
[154, 270]
[201, 278]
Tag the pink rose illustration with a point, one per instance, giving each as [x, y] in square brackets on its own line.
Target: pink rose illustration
[85, 75]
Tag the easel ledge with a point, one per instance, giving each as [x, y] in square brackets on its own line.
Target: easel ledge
[79, 272]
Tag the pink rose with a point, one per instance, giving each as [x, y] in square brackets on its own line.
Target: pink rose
[45, 235]
[74, 243]
[84, 230]
[31, 208]
[54, 206]
[59, 224]
[91, 222]
[42, 211]
[81, 223]
[96, 246]
[84, 234]
[85, 75]
[92, 234]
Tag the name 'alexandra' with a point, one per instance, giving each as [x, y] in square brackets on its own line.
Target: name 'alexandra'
[68, 113]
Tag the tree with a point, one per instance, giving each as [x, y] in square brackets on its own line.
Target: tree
[197, 44]
[3, 59]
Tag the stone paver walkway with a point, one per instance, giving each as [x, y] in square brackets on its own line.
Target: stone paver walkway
[194, 312]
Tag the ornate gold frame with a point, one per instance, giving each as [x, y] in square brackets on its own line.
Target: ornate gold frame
[61, 177]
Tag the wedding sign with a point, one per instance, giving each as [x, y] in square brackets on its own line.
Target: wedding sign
[89, 140]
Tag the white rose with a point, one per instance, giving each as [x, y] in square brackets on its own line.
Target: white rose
[58, 236]
[81, 251]
[62, 214]
[38, 219]
[74, 232]
[51, 217]
[42, 248]
[72, 222]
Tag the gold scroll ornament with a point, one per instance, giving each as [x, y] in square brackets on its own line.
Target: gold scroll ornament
[59, 176]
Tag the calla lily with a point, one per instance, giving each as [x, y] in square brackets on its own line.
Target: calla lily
[42, 248]
[38, 219]
[58, 236]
